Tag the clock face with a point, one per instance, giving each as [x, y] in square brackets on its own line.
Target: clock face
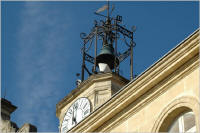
[76, 112]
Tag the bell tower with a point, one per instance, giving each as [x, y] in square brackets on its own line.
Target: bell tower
[105, 35]
[101, 59]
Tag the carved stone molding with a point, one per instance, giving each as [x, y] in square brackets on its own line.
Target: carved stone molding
[169, 113]
[26, 128]
[7, 126]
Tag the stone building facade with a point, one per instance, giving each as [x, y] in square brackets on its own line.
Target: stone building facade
[164, 98]
[6, 125]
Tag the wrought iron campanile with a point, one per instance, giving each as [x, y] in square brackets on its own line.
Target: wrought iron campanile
[106, 33]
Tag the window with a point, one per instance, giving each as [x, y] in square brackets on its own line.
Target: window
[184, 123]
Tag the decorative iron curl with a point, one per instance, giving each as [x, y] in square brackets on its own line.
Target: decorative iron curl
[95, 23]
[87, 49]
[133, 43]
[83, 35]
[124, 38]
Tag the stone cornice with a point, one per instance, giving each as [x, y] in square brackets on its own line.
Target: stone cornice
[176, 58]
[8, 106]
[85, 84]
[150, 95]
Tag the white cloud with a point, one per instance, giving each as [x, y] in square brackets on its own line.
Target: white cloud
[41, 58]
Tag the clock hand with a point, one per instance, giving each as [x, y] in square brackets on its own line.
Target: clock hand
[75, 115]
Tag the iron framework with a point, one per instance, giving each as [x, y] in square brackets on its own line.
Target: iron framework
[107, 30]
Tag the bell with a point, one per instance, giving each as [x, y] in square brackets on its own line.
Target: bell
[107, 56]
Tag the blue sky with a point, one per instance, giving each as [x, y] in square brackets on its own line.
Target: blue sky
[40, 48]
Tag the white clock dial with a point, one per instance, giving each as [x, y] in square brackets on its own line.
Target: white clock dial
[76, 112]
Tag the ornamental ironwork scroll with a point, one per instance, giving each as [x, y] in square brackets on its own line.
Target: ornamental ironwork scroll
[107, 30]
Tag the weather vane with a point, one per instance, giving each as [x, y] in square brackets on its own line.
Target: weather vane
[106, 32]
